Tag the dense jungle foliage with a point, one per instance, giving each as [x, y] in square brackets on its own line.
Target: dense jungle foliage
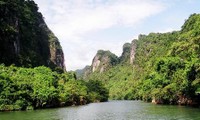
[166, 68]
[26, 46]
[40, 87]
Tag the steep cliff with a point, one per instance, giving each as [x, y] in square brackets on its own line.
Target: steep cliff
[103, 60]
[132, 51]
[163, 67]
[25, 39]
[126, 53]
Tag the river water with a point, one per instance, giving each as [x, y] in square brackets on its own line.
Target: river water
[112, 110]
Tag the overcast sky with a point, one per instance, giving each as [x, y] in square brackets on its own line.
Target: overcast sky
[85, 26]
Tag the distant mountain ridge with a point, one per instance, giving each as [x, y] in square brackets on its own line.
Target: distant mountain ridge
[105, 60]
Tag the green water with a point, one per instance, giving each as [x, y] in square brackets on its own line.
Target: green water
[113, 110]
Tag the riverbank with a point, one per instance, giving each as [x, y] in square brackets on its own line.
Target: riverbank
[181, 100]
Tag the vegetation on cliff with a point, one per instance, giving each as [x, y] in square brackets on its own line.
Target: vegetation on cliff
[40, 87]
[159, 67]
[103, 60]
[165, 68]
[32, 70]
[25, 39]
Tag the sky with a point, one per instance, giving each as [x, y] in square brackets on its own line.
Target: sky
[85, 26]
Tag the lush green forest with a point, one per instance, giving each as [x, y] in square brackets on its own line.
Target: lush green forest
[160, 67]
[165, 69]
[32, 70]
[40, 87]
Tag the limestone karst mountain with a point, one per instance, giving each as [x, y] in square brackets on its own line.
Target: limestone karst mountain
[25, 39]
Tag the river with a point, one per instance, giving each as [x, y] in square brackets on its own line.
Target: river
[112, 110]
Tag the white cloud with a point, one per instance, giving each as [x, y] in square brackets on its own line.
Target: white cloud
[166, 30]
[73, 21]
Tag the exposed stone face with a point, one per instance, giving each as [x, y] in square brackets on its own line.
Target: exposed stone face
[126, 53]
[56, 53]
[95, 63]
[157, 101]
[103, 60]
[25, 39]
[132, 51]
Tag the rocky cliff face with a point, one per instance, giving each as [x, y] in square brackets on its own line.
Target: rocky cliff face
[25, 39]
[103, 60]
[56, 53]
[132, 51]
[126, 53]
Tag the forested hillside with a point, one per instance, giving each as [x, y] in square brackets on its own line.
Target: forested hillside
[32, 70]
[160, 67]
[164, 67]
[40, 87]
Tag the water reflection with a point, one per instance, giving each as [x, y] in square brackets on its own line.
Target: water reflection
[113, 110]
